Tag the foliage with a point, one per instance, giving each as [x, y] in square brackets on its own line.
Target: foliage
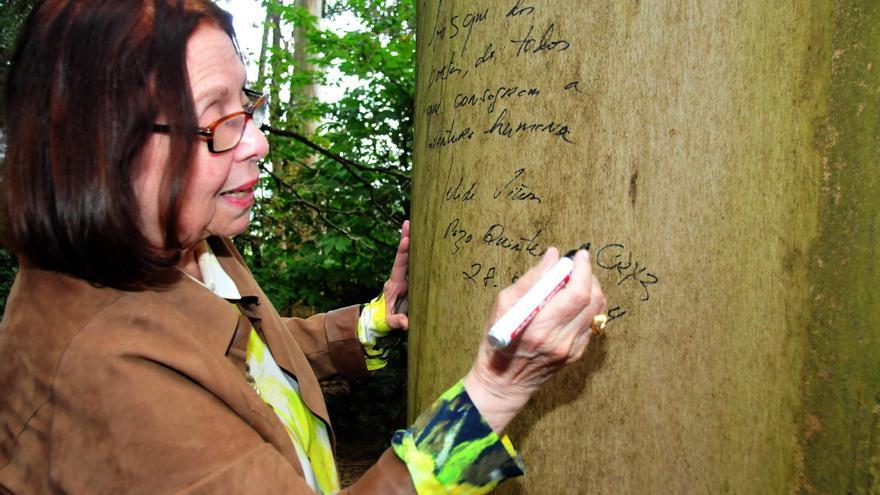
[8, 268]
[325, 231]
[14, 14]
[366, 414]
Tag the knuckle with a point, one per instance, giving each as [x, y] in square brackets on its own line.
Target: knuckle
[558, 354]
[581, 299]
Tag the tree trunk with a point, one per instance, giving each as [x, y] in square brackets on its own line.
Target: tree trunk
[264, 49]
[301, 57]
[301, 42]
[721, 158]
[274, 76]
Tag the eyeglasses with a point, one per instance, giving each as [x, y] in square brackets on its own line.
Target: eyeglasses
[226, 132]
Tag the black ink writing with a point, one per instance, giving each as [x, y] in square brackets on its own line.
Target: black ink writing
[451, 30]
[648, 279]
[435, 29]
[612, 257]
[432, 109]
[613, 260]
[528, 44]
[475, 269]
[443, 72]
[459, 193]
[506, 129]
[487, 56]
[457, 234]
[573, 85]
[470, 20]
[450, 136]
[518, 9]
[496, 236]
[615, 313]
[515, 190]
[491, 95]
[489, 276]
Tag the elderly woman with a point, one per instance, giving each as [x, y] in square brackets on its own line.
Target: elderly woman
[137, 353]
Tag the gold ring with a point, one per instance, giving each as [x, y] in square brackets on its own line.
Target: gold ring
[599, 322]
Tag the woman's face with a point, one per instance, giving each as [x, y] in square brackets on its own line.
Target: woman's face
[220, 192]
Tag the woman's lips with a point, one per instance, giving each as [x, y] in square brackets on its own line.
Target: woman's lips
[241, 197]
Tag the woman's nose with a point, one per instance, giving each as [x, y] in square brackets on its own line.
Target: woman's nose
[253, 145]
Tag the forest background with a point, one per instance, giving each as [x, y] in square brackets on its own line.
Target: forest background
[334, 189]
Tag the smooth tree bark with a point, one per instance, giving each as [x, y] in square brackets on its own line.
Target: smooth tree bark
[302, 59]
[301, 42]
[721, 159]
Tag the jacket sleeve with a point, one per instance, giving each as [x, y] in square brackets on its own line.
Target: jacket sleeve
[330, 342]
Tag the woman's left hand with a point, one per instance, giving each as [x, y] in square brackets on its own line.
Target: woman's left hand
[396, 286]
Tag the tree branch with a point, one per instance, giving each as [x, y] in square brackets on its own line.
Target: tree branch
[348, 164]
[322, 211]
[300, 199]
[333, 156]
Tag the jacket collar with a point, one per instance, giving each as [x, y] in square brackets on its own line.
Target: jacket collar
[215, 316]
[284, 349]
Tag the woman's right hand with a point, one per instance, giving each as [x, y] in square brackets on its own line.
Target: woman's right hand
[501, 381]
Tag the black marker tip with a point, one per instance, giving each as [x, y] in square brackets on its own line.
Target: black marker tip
[585, 246]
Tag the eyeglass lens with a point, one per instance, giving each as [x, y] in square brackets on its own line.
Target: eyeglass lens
[228, 134]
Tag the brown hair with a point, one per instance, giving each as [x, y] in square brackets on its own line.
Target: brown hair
[87, 82]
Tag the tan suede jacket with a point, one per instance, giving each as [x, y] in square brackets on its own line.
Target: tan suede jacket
[107, 391]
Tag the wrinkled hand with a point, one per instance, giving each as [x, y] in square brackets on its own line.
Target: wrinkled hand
[501, 381]
[395, 288]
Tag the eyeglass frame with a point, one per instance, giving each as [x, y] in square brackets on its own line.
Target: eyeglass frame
[259, 99]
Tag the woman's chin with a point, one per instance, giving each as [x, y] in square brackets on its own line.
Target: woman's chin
[232, 229]
[226, 229]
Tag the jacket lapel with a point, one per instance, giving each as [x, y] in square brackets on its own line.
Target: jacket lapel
[216, 323]
[284, 348]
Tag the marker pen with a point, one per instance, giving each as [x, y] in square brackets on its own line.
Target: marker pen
[524, 310]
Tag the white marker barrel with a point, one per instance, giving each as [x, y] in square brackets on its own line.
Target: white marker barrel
[524, 310]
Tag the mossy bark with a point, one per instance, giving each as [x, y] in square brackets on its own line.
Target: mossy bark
[721, 157]
[841, 427]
